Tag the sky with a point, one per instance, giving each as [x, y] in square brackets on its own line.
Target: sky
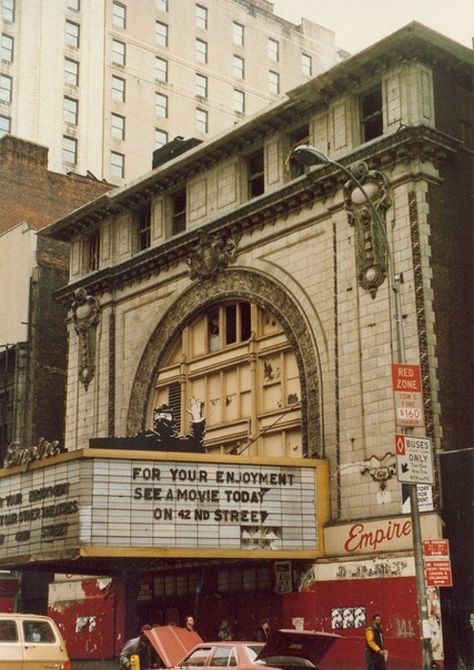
[359, 23]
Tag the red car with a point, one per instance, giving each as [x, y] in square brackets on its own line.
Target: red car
[287, 650]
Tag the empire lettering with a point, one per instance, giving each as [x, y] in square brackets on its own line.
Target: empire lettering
[359, 538]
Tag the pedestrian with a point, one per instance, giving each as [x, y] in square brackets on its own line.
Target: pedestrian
[189, 623]
[224, 632]
[375, 653]
[263, 631]
[141, 647]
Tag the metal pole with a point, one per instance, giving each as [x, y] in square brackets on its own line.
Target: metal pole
[426, 649]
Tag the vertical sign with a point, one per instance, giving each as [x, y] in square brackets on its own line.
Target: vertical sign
[408, 396]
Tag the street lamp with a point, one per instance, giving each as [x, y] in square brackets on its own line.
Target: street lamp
[308, 155]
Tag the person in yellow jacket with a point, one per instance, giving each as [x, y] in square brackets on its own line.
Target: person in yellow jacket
[375, 653]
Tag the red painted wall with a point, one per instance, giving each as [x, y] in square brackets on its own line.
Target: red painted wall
[8, 589]
[394, 599]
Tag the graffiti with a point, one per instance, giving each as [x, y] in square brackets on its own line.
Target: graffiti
[86, 623]
[404, 629]
[364, 571]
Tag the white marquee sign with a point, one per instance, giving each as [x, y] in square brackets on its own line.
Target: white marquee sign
[158, 504]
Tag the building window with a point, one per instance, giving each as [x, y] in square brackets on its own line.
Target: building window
[71, 72]
[274, 82]
[201, 51]
[273, 49]
[75, 5]
[201, 120]
[371, 113]
[117, 127]
[201, 17]
[179, 212]
[70, 110]
[161, 138]
[238, 66]
[161, 34]
[5, 125]
[70, 150]
[297, 137]
[118, 89]
[72, 34]
[118, 52]
[255, 174]
[201, 85]
[93, 251]
[5, 88]
[119, 15]
[8, 10]
[117, 165]
[228, 325]
[239, 101]
[161, 69]
[161, 105]
[306, 65]
[7, 48]
[162, 5]
[142, 221]
[238, 34]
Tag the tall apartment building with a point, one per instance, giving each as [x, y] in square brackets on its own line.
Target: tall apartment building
[102, 83]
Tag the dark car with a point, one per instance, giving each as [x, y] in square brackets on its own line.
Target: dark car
[286, 650]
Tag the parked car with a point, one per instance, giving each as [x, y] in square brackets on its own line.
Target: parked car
[286, 650]
[31, 642]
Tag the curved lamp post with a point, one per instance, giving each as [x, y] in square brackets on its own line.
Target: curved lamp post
[308, 155]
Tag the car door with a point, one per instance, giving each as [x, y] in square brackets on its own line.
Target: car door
[11, 649]
[41, 648]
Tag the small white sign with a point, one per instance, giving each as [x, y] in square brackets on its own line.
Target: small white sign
[414, 459]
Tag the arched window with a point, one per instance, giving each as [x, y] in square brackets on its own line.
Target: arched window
[236, 358]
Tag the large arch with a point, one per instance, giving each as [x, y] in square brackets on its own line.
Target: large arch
[245, 285]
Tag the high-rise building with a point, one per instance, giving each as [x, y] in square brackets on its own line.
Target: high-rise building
[102, 83]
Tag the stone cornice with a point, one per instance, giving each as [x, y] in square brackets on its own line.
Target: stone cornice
[409, 143]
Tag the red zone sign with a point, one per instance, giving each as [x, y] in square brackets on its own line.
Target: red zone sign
[408, 396]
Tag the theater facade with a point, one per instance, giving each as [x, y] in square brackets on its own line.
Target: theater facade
[230, 426]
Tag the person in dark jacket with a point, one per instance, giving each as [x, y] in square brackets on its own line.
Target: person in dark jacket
[263, 631]
[140, 646]
[375, 653]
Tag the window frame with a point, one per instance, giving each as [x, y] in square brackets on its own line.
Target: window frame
[238, 36]
[307, 64]
[238, 99]
[371, 124]
[8, 126]
[178, 216]
[74, 6]
[5, 78]
[274, 82]
[8, 13]
[92, 255]
[162, 71]
[201, 16]
[201, 120]
[72, 113]
[119, 20]
[142, 224]
[273, 49]
[161, 97]
[164, 134]
[256, 177]
[119, 57]
[238, 66]
[161, 33]
[120, 128]
[201, 50]
[65, 151]
[201, 85]
[69, 72]
[73, 39]
[120, 165]
[7, 49]
[115, 78]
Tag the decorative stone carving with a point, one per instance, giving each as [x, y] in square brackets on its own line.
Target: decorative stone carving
[212, 254]
[370, 231]
[85, 317]
[380, 469]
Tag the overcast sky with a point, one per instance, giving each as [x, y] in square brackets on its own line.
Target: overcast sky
[359, 23]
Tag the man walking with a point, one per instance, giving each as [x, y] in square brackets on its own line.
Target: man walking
[375, 653]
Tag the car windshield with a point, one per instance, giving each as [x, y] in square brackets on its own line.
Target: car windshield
[254, 650]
